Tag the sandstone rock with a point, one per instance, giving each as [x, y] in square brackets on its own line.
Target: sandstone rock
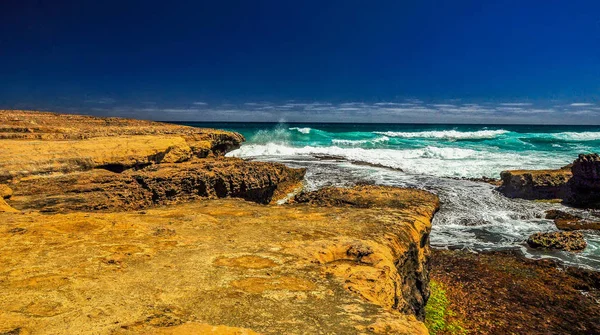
[292, 269]
[585, 184]
[83, 254]
[535, 184]
[156, 185]
[5, 207]
[67, 143]
[5, 192]
[568, 241]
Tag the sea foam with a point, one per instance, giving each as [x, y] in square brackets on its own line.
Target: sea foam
[447, 134]
[431, 160]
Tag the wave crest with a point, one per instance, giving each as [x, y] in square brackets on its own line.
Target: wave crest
[381, 139]
[305, 130]
[447, 134]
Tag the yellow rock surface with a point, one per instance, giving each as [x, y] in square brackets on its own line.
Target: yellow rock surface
[135, 246]
[291, 269]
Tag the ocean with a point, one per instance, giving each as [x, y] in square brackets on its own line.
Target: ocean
[440, 159]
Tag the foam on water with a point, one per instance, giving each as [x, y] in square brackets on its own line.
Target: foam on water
[435, 161]
[376, 140]
[447, 134]
[305, 130]
[573, 136]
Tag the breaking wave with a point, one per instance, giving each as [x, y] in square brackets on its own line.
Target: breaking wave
[448, 134]
[435, 161]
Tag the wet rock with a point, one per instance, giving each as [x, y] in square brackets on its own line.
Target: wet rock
[585, 184]
[506, 293]
[568, 221]
[483, 179]
[568, 241]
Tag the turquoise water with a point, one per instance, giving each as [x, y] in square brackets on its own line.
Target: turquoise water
[438, 150]
[435, 157]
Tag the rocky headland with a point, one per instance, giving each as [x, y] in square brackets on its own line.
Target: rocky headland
[117, 226]
[577, 184]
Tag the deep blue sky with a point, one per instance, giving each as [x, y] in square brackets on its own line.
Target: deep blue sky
[228, 60]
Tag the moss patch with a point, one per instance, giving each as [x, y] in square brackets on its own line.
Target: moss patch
[439, 318]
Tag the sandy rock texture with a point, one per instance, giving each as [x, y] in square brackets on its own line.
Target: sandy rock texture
[113, 226]
[37, 143]
[292, 269]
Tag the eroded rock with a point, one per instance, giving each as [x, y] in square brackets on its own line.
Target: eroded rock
[67, 143]
[535, 184]
[156, 185]
[271, 269]
[585, 184]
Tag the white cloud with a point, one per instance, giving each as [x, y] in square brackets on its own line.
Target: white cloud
[580, 104]
[516, 104]
[199, 103]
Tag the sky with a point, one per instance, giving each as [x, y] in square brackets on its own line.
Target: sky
[322, 61]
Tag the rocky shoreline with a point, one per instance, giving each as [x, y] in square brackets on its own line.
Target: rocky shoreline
[115, 226]
[118, 226]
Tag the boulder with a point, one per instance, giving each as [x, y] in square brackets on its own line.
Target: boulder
[568, 241]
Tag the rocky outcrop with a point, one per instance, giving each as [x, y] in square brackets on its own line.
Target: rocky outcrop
[159, 184]
[535, 184]
[577, 184]
[585, 184]
[410, 264]
[129, 227]
[37, 143]
[568, 221]
[568, 241]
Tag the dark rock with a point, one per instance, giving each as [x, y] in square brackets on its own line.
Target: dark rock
[585, 184]
[568, 241]
[568, 221]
